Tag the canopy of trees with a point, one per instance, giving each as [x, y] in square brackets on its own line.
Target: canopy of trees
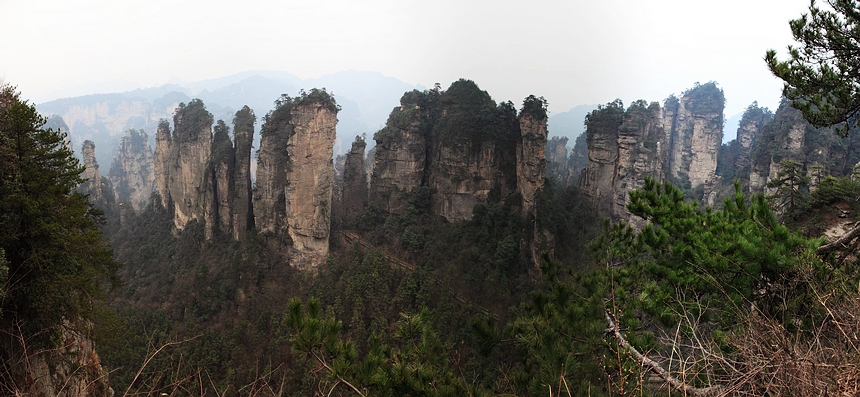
[822, 73]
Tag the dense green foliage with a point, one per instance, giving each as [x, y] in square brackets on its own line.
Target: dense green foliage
[791, 186]
[222, 146]
[57, 261]
[190, 120]
[535, 107]
[822, 74]
[705, 98]
[243, 121]
[277, 121]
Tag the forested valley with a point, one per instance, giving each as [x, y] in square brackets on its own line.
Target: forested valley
[467, 252]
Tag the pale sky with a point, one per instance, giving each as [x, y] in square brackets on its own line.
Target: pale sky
[571, 52]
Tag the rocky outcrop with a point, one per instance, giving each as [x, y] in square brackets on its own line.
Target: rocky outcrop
[309, 183]
[219, 206]
[295, 174]
[787, 136]
[557, 167]
[190, 150]
[131, 173]
[462, 177]
[625, 147]
[72, 369]
[92, 179]
[679, 143]
[597, 179]
[749, 129]
[531, 163]
[206, 177]
[577, 161]
[243, 137]
[695, 127]
[161, 161]
[400, 154]
[272, 165]
[354, 192]
[460, 145]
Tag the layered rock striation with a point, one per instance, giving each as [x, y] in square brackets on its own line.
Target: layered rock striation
[679, 143]
[243, 138]
[786, 136]
[295, 174]
[531, 161]
[354, 191]
[462, 146]
[557, 162]
[202, 176]
[92, 179]
[188, 159]
[131, 173]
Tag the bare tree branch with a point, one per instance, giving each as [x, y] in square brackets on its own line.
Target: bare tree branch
[659, 370]
[840, 242]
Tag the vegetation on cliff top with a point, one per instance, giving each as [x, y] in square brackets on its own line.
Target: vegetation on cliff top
[279, 118]
[190, 120]
[705, 98]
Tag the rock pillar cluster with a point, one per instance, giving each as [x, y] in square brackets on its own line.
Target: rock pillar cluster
[679, 143]
[202, 176]
[131, 173]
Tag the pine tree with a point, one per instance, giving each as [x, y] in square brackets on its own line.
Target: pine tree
[822, 75]
[57, 260]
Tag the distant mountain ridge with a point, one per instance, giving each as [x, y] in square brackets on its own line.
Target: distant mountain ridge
[366, 99]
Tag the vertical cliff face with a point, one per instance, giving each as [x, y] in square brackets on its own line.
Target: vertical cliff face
[354, 194]
[531, 161]
[295, 174]
[679, 143]
[597, 180]
[204, 176]
[220, 211]
[642, 152]
[787, 136]
[92, 185]
[577, 161]
[457, 142]
[557, 167]
[468, 160]
[161, 162]
[624, 148]
[782, 139]
[749, 129]
[400, 156]
[243, 137]
[696, 133]
[310, 180]
[131, 174]
[464, 147]
[190, 150]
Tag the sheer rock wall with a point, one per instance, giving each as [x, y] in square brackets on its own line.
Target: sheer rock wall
[131, 174]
